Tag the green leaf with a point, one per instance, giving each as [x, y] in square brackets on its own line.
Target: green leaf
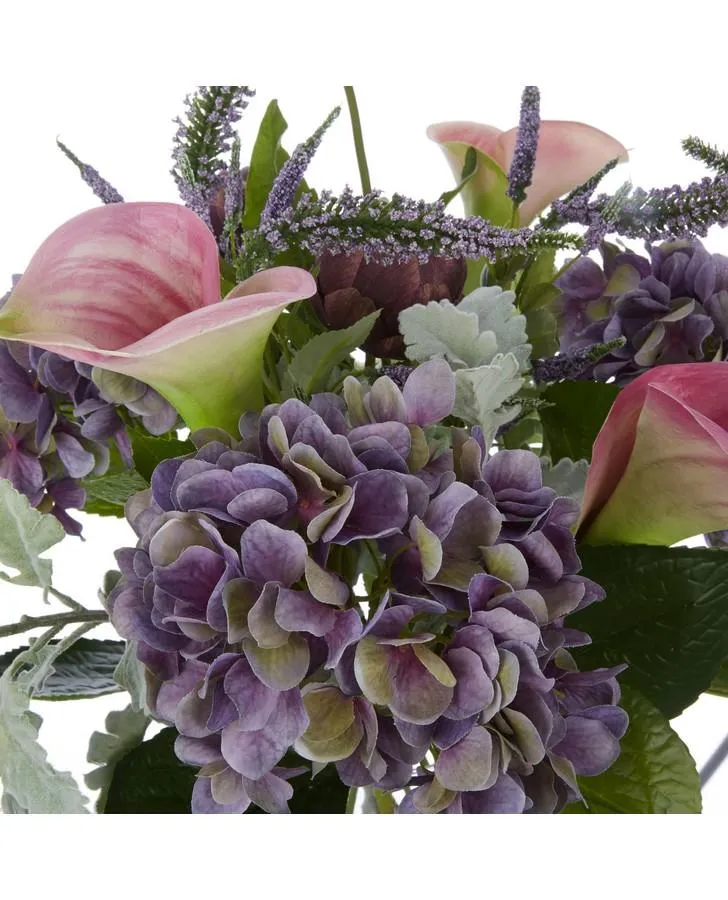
[125, 730]
[523, 433]
[539, 272]
[654, 773]
[86, 669]
[265, 163]
[30, 782]
[541, 325]
[112, 491]
[150, 451]
[719, 684]
[312, 366]
[572, 422]
[24, 535]
[567, 477]
[151, 780]
[469, 167]
[323, 794]
[666, 615]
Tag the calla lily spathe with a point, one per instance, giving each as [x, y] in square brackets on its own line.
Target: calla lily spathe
[568, 154]
[135, 288]
[659, 471]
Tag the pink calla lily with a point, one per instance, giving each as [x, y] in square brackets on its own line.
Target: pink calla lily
[135, 288]
[568, 154]
[659, 471]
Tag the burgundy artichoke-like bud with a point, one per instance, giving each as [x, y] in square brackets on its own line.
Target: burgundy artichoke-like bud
[350, 288]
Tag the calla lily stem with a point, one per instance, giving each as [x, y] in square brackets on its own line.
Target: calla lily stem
[361, 158]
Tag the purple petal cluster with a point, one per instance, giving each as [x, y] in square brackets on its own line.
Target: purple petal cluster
[56, 424]
[450, 678]
[670, 308]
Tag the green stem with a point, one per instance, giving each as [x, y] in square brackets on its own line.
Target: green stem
[26, 623]
[361, 157]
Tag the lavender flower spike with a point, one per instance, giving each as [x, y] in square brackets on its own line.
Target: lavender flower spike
[524, 155]
[100, 186]
[290, 176]
[570, 365]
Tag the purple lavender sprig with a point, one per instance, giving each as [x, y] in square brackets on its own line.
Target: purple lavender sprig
[201, 140]
[100, 186]
[670, 213]
[570, 365]
[388, 231]
[575, 205]
[711, 156]
[524, 155]
[289, 178]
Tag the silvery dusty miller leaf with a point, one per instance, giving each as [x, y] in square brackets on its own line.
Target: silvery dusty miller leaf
[31, 782]
[567, 477]
[24, 535]
[125, 730]
[481, 392]
[471, 334]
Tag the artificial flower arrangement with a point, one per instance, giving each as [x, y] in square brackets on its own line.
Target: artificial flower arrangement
[401, 486]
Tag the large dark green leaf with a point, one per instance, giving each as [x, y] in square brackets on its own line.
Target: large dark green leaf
[719, 684]
[150, 451]
[666, 615]
[85, 670]
[151, 780]
[572, 422]
[323, 794]
[654, 773]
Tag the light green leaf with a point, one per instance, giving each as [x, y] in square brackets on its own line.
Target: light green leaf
[125, 730]
[311, 367]
[24, 535]
[567, 478]
[30, 782]
[470, 166]
[654, 773]
[481, 392]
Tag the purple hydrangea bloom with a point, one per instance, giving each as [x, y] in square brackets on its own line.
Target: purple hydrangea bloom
[672, 308]
[57, 419]
[240, 599]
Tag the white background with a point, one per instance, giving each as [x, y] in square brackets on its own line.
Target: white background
[125, 131]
